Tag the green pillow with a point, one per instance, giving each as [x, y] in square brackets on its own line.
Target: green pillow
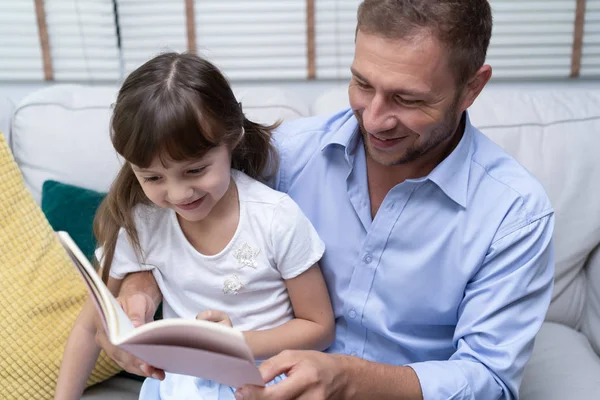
[72, 209]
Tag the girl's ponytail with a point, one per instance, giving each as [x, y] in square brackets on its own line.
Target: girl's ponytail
[116, 212]
[255, 154]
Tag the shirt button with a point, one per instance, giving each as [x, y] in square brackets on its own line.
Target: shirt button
[390, 206]
[367, 259]
[352, 314]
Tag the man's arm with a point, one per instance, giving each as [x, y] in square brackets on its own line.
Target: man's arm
[139, 296]
[502, 310]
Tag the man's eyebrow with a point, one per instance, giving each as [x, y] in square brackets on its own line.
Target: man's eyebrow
[357, 75]
[404, 91]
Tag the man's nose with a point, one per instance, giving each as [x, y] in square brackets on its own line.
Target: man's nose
[377, 116]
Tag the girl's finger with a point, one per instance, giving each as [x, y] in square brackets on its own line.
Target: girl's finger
[212, 316]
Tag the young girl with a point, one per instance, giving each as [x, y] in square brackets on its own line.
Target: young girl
[186, 205]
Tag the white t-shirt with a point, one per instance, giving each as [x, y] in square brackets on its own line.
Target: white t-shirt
[274, 241]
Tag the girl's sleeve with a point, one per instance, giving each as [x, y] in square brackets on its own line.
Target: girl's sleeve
[295, 242]
[125, 260]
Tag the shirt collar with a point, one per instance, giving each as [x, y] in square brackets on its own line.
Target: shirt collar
[345, 134]
[451, 175]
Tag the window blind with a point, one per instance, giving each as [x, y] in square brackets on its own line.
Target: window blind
[246, 39]
[149, 27]
[83, 40]
[335, 25]
[254, 39]
[590, 60]
[20, 49]
[532, 38]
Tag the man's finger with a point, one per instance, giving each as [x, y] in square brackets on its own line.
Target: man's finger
[282, 363]
[288, 389]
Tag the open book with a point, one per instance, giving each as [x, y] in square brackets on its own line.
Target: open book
[189, 347]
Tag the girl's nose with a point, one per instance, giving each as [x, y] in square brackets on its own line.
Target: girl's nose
[180, 194]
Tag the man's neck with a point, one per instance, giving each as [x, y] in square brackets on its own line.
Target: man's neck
[382, 178]
[395, 174]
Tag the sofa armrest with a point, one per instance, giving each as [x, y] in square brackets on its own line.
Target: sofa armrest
[590, 325]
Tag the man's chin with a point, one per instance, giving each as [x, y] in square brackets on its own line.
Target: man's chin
[389, 159]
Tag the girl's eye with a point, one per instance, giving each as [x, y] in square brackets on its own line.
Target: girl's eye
[151, 179]
[196, 170]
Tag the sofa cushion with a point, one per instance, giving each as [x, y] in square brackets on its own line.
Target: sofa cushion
[72, 209]
[41, 294]
[60, 133]
[563, 366]
[591, 312]
[555, 135]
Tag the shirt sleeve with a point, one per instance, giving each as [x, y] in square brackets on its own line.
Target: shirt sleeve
[125, 260]
[295, 242]
[503, 308]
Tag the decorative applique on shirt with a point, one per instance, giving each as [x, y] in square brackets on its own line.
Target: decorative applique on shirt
[232, 285]
[246, 256]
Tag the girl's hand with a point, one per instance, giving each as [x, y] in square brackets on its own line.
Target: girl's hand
[215, 316]
[140, 308]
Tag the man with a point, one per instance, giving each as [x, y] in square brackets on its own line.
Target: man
[439, 255]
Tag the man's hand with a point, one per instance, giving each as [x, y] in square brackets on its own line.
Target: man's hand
[311, 375]
[215, 316]
[140, 307]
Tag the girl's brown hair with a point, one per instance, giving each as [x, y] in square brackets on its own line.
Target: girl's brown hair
[177, 107]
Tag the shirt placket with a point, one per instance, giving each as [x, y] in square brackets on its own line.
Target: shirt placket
[366, 265]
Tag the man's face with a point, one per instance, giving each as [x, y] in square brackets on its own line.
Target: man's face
[404, 96]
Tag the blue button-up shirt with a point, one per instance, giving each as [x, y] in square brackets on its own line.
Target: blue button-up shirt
[454, 274]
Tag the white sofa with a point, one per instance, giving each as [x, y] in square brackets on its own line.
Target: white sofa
[61, 133]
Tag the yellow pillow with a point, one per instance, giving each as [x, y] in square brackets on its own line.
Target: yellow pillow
[40, 294]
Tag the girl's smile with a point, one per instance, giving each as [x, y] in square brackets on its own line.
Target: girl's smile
[191, 206]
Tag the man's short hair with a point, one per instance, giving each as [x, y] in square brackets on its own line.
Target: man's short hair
[464, 27]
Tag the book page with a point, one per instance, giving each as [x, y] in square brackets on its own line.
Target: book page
[113, 317]
[193, 334]
[217, 367]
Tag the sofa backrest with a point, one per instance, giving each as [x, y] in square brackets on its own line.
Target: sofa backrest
[62, 132]
[555, 134]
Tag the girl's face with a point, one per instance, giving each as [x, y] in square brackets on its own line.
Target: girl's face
[192, 188]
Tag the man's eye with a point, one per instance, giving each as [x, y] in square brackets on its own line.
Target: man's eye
[362, 85]
[406, 102]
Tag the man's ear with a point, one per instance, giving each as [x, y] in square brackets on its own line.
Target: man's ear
[475, 86]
